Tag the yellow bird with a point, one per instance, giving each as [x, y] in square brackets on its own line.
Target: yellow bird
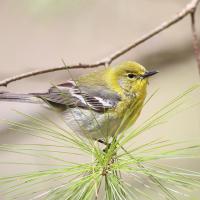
[96, 105]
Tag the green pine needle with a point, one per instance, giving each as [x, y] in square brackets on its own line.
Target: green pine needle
[110, 172]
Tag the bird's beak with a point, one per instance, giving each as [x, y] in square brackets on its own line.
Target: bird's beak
[149, 73]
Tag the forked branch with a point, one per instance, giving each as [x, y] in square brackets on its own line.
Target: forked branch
[189, 9]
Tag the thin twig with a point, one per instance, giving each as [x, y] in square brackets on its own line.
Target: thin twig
[189, 9]
[195, 41]
[183, 13]
[44, 71]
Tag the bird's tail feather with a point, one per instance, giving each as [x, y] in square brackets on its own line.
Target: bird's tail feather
[26, 98]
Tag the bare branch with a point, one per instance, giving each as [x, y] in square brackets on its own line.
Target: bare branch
[195, 41]
[189, 9]
[44, 71]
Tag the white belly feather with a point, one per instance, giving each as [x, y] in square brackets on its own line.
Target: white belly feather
[90, 123]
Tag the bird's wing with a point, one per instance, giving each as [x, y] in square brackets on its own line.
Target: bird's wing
[97, 98]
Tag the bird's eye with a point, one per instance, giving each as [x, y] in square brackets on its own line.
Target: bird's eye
[130, 75]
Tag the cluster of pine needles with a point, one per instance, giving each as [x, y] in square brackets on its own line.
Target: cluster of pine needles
[119, 169]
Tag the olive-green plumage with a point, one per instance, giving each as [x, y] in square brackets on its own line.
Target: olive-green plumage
[98, 104]
[126, 86]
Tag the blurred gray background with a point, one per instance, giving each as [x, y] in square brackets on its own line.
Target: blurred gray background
[36, 34]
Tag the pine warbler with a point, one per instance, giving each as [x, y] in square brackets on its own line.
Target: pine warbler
[95, 104]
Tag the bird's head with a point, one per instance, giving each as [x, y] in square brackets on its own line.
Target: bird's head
[130, 77]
